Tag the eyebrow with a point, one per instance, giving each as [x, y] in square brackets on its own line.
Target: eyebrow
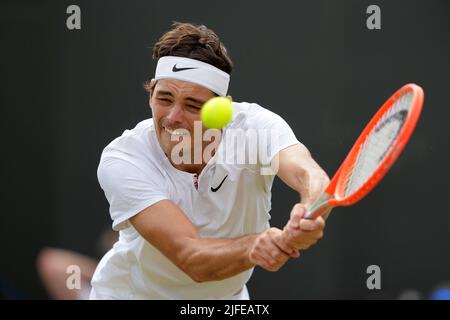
[168, 93]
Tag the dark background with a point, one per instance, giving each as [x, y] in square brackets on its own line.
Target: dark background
[66, 94]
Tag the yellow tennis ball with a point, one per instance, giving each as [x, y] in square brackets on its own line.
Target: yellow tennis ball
[217, 112]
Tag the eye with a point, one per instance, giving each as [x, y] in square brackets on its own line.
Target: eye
[164, 100]
[194, 108]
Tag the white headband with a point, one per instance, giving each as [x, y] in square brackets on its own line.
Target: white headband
[195, 71]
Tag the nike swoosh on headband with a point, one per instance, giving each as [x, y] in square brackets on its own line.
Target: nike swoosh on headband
[175, 69]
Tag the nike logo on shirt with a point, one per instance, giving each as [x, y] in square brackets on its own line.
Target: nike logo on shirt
[218, 187]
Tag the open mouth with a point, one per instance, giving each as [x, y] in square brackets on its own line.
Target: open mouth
[177, 132]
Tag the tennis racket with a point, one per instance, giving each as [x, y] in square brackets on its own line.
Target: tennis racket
[374, 152]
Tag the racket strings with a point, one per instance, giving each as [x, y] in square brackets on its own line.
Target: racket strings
[378, 143]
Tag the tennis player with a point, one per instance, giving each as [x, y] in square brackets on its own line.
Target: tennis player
[196, 229]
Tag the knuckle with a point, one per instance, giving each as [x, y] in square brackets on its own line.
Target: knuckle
[271, 232]
[275, 267]
[259, 241]
[291, 243]
[300, 245]
[279, 256]
[275, 254]
[295, 244]
[272, 265]
[296, 208]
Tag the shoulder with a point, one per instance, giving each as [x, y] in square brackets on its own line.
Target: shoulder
[137, 147]
[131, 137]
[133, 142]
[251, 115]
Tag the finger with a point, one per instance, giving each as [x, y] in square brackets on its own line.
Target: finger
[274, 260]
[308, 225]
[312, 237]
[298, 208]
[262, 259]
[263, 264]
[297, 214]
[279, 256]
[295, 239]
[298, 239]
[291, 237]
[272, 254]
[295, 254]
[281, 242]
[312, 225]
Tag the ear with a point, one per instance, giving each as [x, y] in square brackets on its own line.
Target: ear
[150, 88]
[230, 98]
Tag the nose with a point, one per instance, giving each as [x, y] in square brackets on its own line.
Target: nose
[175, 114]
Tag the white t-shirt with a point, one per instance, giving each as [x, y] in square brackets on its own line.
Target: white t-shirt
[233, 199]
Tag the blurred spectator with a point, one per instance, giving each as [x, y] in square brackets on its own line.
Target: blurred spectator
[52, 264]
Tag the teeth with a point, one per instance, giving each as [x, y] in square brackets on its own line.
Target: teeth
[176, 132]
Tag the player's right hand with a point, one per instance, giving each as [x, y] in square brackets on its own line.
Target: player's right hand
[302, 233]
[269, 250]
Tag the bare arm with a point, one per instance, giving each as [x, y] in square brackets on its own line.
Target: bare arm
[166, 227]
[300, 172]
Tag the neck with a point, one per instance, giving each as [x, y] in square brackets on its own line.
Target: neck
[191, 168]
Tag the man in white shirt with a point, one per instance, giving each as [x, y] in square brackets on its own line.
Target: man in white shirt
[195, 227]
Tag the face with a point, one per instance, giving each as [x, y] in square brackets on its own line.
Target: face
[176, 105]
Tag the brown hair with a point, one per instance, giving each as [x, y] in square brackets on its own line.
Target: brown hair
[193, 41]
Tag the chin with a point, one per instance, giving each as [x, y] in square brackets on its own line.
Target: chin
[167, 147]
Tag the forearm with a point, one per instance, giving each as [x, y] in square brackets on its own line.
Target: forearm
[216, 259]
[200, 258]
[311, 184]
[302, 173]
[310, 181]
[307, 178]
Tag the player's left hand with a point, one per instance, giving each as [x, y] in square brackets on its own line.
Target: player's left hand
[302, 233]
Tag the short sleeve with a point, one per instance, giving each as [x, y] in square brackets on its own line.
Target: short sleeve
[274, 135]
[129, 189]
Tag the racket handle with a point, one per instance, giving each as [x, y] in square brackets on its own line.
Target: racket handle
[319, 207]
[316, 213]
